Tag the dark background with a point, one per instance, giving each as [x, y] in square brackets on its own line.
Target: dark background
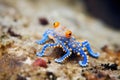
[106, 10]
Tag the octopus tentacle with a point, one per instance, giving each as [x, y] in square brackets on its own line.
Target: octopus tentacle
[84, 62]
[91, 53]
[45, 37]
[43, 40]
[45, 47]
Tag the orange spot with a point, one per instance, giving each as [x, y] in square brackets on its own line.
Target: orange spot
[56, 24]
[68, 33]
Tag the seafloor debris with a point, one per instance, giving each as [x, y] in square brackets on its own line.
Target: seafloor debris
[112, 55]
[43, 21]
[20, 78]
[9, 66]
[97, 76]
[12, 33]
[51, 76]
[40, 62]
[5, 43]
[110, 66]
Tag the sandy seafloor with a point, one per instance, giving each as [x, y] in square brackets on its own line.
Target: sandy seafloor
[20, 27]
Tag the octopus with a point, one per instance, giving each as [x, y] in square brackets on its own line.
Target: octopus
[62, 37]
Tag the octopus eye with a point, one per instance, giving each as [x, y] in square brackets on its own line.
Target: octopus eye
[68, 33]
[56, 24]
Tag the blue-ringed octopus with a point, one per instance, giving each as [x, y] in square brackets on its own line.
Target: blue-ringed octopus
[64, 39]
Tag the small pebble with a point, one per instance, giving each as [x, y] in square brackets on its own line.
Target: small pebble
[20, 78]
[12, 33]
[49, 61]
[51, 76]
[40, 62]
[110, 66]
[43, 21]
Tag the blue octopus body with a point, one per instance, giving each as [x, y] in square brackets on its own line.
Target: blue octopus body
[68, 45]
